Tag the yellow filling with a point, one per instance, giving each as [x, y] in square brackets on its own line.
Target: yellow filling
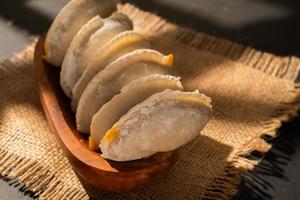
[92, 144]
[170, 59]
[111, 135]
[205, 101]
[45, 58]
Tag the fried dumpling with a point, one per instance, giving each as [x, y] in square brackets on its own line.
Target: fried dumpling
[68, 22]
[121, 44]
[130, 95]
[91, 37]
[163, 122]
[112, 78]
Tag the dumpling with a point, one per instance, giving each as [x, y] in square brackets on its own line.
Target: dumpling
[69, 74]
[68, 22]
[163, 122]
[132, 94]
[91, 37]
[111, 79]
[121, 44]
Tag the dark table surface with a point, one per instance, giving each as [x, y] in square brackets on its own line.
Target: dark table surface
[267, 25]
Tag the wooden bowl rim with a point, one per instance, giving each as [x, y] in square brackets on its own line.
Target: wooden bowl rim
[72, 141]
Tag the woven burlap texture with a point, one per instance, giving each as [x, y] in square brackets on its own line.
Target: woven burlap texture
[252, 92]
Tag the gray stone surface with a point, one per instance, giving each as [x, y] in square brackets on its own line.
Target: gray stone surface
[9, 193]
[14, 38]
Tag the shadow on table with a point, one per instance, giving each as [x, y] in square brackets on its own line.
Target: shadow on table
[263, 180]
[274, 34]
[24, 17]
[279, 35]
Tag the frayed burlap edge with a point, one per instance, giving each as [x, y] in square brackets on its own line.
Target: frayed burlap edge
[32, 178]
[225, 185]
[22, 172]
[281, 67]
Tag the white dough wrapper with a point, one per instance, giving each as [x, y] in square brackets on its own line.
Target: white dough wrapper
[112, 78]
[90, 38]
[121, 44]
[68, 22]
[130, 95]
[161, 123]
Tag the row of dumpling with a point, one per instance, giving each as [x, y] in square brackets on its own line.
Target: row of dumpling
[120, 89]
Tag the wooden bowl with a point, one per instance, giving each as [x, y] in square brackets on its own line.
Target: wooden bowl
[99, 172]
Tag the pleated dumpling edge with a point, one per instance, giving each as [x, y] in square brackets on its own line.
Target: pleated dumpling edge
[68, 22]
[161, 123]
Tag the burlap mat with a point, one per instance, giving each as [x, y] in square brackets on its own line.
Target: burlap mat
[252, 92]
